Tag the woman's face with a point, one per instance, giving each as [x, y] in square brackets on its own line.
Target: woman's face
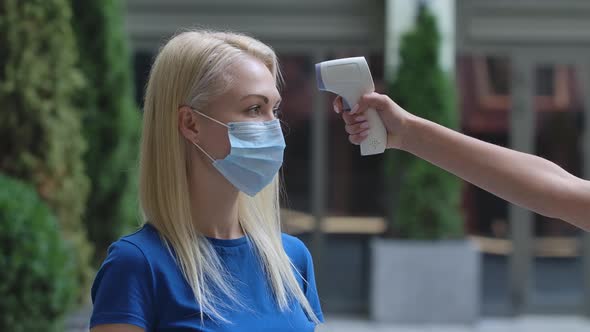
[252, 96]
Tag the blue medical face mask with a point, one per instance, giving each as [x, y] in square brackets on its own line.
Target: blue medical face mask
[256, 154]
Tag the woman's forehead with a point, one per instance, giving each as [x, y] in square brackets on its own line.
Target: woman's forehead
[250, 76]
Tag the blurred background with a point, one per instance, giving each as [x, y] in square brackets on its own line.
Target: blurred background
[398, 244]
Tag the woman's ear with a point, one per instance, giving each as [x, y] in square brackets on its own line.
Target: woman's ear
[188, 124]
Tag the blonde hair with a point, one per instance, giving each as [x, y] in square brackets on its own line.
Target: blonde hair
[190, 70]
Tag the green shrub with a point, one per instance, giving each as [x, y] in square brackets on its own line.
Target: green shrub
[37, 273]
[427, 197]
[40, 128]
[111, 121]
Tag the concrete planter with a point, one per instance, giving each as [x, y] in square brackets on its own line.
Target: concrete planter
[343, 293]
[414, 282]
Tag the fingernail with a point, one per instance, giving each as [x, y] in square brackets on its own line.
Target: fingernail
[354, 109]
[336, 109]
[365, 125]
[360, 118]
[365, 133]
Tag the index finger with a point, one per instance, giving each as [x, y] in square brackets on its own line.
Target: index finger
[352, 118]
[374, 100]
[337, 104]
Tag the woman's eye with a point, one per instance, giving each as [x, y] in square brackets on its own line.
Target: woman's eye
[277, 112]
[256, 111]
[253, 111]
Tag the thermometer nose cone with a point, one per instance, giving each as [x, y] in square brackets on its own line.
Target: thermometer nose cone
[318, 77]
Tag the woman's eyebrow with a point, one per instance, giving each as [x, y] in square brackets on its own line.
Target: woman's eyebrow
[256, 95]
[266, 100]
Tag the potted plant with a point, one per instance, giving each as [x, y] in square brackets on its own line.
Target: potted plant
[424, 270]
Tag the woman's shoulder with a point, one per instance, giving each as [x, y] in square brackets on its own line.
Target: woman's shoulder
[292, 241]
[124, 287]
[296, 250]
[137, 255]
[145, 236]
[137, 247]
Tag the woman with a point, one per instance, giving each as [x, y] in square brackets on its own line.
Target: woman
[211, 256]
[529, 181]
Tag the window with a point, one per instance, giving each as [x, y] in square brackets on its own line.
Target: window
[492, 83]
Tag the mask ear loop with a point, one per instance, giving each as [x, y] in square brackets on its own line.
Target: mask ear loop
[214, 120]
[200, 148]
[210, 118]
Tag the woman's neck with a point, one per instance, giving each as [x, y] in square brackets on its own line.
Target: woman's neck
[214, 208]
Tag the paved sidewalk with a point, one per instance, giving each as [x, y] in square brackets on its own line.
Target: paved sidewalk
[78, 322]
[523, 324]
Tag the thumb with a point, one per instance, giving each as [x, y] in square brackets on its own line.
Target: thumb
[375, 101]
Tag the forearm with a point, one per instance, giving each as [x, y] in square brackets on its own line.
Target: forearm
[523, 179]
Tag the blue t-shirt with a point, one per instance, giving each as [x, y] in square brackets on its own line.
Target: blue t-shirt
[139, 283]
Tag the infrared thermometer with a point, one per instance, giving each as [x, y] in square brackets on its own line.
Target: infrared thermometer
[351, 78]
